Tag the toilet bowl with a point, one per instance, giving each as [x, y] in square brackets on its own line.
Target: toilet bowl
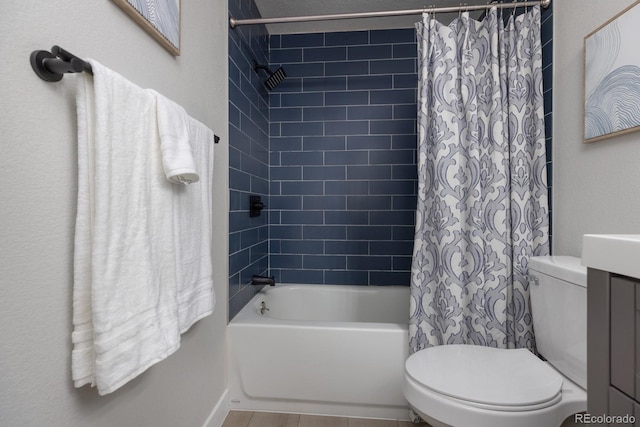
[475, 386]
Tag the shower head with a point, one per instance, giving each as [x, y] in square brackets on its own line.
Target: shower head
[275, 78]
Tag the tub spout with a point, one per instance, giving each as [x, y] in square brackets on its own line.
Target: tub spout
[263, 280]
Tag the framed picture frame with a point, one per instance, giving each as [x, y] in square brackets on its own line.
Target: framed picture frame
[159, 18]
[612, 77]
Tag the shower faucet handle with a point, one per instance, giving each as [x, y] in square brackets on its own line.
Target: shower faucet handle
[263, 308]
[255, 206]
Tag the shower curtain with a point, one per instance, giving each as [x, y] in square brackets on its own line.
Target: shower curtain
[482, 194]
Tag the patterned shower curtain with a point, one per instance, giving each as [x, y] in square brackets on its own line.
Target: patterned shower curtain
[482, 195]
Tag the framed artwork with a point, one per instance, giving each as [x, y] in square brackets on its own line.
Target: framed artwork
[612, 77]
[160, 18]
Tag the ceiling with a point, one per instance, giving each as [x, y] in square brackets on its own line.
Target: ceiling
[278, 8]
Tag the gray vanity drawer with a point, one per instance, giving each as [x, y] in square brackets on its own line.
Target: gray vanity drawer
[637, 371]
[623, 335]
[621, 405]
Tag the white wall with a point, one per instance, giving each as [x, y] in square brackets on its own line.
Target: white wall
[37, 211]
[596, 186]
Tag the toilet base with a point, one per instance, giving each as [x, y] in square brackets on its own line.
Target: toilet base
[441, 411]
[568, 422]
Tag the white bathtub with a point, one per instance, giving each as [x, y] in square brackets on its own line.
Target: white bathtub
[321, 349]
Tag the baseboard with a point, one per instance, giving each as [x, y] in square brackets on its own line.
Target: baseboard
[320, 408]
[219, 412]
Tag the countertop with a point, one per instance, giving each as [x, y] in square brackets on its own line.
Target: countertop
[616, 253]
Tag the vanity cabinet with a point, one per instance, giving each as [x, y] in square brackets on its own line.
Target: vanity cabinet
[624, 336]
[613, 345]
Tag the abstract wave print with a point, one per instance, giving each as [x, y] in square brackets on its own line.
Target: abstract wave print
[602, 49]
[614, 105]
[482, 194]
[163, 15]
[612, 77]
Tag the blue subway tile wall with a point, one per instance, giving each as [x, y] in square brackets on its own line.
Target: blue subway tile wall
[248, 154]
[338, 164]
[547, 78]
[343, 157]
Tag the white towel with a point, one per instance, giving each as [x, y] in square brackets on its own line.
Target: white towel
[177, 156]
[125, 310]
[192, 214]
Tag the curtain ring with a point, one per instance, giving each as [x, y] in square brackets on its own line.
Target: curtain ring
[426, 11]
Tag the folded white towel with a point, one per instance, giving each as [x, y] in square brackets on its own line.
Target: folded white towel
[125, 309]
[177, 157]
[192, 215]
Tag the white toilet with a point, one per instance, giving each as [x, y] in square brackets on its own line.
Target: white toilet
[475, 386]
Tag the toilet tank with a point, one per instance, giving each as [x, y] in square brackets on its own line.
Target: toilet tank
[558, 290]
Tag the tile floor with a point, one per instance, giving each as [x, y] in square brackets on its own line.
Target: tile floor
[267, 419]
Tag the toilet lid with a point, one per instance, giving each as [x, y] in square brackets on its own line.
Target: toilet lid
[485, 375]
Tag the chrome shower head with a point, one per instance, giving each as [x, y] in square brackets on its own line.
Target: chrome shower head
[275, 78]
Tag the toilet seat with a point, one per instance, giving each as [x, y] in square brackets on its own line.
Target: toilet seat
[508, 380]
[466, 385]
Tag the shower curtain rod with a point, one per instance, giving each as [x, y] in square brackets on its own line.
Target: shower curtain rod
[462, 8]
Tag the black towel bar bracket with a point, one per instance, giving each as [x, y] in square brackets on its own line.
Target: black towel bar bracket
[51, 66]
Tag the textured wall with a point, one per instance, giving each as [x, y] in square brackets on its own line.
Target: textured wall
[595, 185]
[38, 168]
[343, 173]
[248, 154]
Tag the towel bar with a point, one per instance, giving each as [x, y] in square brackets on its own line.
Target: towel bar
[52, 66]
